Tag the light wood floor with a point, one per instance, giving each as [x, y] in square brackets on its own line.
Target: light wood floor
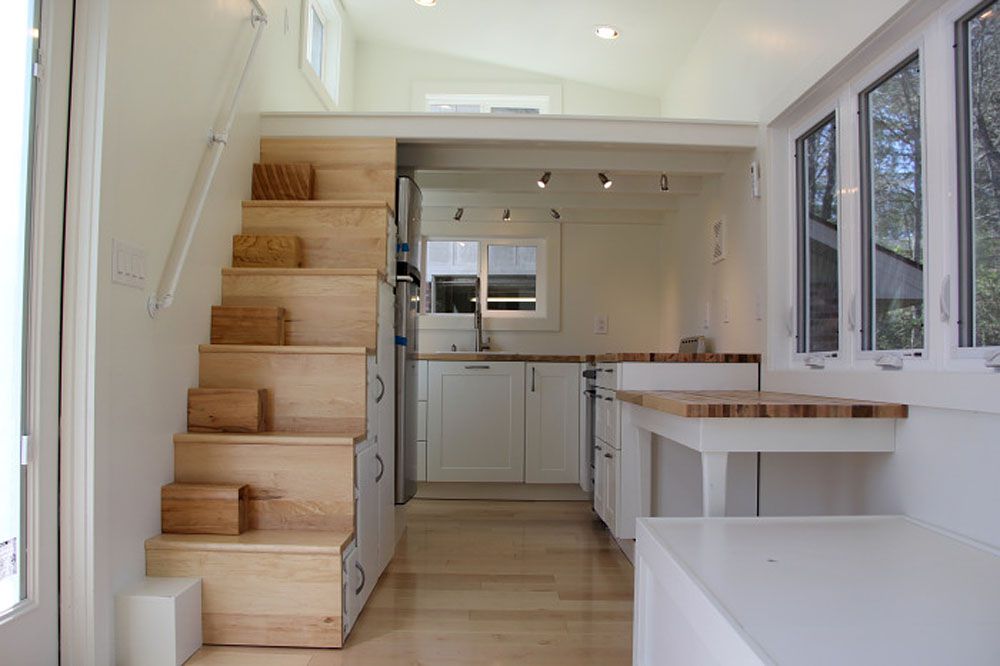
[478, 583]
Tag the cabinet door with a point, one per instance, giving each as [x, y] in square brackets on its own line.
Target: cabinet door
[612, 466]
[366, 518]
[385, 408]
[600, 481]
[552, 423]
[475, 422]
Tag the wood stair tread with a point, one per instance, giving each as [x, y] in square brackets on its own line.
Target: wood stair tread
[306, 272]
[203, 486]
[285, 349]
[316, 203]
[346, 438]
[257, 541]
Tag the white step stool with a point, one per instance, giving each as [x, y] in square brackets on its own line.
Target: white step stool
[158, 621]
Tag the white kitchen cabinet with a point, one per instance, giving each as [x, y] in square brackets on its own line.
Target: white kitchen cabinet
[607, 473]
[366, 516]
[385, 411]
[552, 423]
[475, 421]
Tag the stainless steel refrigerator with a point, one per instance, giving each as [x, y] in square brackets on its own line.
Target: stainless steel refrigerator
[408, 283]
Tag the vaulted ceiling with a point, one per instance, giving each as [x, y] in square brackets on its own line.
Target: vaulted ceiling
[666, 48]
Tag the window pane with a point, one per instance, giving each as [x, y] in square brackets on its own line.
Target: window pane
[983, 216]
[512, 277]
[818, 234]
[16, 53]
[316, 30]
[455, 108]
[894, 220]
[515, 110]
[452, 269]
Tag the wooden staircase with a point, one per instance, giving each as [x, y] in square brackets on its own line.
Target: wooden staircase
[272, 499]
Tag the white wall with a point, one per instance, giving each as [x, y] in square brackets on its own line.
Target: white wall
[283, 88]
[611, 269]
[169, 66]
[690, 279]
[384, 78]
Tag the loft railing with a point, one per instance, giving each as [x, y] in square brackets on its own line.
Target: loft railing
[202, 185]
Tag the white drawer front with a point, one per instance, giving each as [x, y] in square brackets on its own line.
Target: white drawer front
[607, 375]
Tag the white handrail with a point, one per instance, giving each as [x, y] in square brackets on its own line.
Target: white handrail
[219, 137]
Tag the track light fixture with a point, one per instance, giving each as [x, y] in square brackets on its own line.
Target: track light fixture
[555, 214]
[544, 180]
[664, 183]
[605, 181]
[506, 214]
[459, 212]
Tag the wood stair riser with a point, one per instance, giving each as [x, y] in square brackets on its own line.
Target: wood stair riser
[267, 251]
[227, 409]
[248, 325]
[290, 487]
[331, 236]
[283, 181]
[307, 392]
[324, 310]
[187, 508]
[262, 598]
[345, 168]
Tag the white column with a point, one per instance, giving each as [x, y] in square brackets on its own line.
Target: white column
[713, 483]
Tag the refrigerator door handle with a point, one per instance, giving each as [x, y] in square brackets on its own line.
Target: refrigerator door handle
[405, 278]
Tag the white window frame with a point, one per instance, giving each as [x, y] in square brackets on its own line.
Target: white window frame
[327, 84]
[947, 377]
[809, 358]
[961, 357]
[546, 238]
[487, 103]
[546, 97]
[897, 57]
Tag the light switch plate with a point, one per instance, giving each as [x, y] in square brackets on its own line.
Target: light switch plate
[128, 264]
[601, 324]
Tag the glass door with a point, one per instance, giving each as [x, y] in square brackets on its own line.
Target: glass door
[18, 46]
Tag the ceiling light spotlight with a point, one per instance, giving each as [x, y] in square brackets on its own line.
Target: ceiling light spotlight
[459, 212]
[664, 183]
[605, 181]
[544, 180]
[426, 3]
[607, 32]
[555, 214]
[506, 214]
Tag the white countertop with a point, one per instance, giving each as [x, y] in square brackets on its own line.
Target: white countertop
[853, 590]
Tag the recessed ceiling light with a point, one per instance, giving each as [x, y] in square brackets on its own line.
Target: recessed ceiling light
[426, 3]
[606, 32]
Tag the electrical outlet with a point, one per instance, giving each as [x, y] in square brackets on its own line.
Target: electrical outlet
[128, 264]
[601, 324]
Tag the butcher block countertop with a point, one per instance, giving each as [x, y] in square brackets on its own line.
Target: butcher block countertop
[760, 404]
[501, 356]
[673, 357]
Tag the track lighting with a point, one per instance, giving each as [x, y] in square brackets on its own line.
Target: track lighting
[506, 214]
[544, 180]
[664, 183]
[555, 214]
[458, 214]
[605, 181]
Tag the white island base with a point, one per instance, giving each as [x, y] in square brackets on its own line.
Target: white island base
[812, 592]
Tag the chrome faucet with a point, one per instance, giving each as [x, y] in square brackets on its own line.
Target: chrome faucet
[480, 345]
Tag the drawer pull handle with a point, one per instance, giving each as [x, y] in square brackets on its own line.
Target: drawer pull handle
[381, 392]
[608, 455]
[381, 468]
[363, 578]
[610, 399]
[477, 367]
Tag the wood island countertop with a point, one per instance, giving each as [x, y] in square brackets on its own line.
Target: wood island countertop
[674, 357]
[760, 404]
